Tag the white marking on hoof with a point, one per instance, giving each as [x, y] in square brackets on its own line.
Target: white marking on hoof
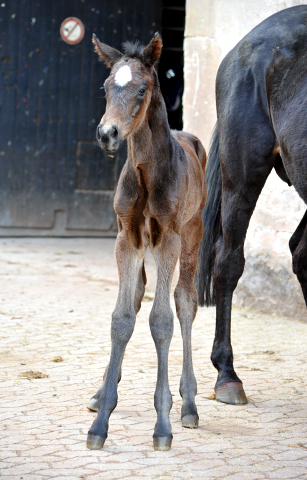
[123, 76]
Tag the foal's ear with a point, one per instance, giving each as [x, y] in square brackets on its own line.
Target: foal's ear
[152, 52]
[108, 54]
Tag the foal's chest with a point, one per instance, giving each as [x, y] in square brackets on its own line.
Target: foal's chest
[144, 191]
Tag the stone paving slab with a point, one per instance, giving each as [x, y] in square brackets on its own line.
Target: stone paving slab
[56, 300]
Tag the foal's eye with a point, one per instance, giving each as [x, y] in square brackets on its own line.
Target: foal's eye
[142, 92]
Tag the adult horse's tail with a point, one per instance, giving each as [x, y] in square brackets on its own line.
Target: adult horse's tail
[211, 220]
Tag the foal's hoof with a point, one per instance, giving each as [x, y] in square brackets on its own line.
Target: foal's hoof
[93, 404]
[95, 442]
[232, 393]
[162, 443]
[190, 420]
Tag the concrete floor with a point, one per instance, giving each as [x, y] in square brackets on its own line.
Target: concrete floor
[56, 300]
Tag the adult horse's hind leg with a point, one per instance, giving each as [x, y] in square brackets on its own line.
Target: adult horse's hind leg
[245, 168]
[186, 307]
[129, 262]
[298, 247]
[166, 254]
[93, 404]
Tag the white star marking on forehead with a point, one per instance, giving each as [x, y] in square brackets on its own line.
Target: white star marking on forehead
[123, 76]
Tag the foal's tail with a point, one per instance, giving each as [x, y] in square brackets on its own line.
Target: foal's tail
[211, 220]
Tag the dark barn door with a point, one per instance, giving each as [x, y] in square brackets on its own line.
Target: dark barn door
[171, 64]
[54, 180]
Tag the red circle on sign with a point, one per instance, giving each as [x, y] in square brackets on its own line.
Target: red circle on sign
[72, 30]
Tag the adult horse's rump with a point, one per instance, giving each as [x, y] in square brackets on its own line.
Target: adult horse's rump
[261, 98]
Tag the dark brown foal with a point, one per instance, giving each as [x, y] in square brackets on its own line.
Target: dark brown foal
[159, 201]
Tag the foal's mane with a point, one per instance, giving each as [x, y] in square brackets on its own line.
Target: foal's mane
[134, 49]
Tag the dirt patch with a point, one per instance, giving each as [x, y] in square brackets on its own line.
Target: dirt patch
[57, 359]
[33, 374]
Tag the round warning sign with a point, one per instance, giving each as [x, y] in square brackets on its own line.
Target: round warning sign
[72, 30]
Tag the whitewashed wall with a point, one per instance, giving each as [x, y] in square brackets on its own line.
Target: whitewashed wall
[213, 27]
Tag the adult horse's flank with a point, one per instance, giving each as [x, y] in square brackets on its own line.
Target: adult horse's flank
[159, 202]
[262, 124]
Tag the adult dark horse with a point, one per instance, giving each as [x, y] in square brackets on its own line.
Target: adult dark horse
[261, 98]
[159, 202]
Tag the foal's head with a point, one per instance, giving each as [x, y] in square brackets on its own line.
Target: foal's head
[128, 89]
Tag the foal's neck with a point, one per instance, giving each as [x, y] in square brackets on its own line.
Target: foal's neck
[152, 142]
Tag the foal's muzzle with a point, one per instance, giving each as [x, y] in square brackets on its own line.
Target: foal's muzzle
[108, 137]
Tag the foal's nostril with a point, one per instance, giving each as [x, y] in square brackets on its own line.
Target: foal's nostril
[107, 136]
[114, 132]
[99, 132]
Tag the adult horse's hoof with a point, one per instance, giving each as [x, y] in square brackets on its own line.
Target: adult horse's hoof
[232, 393]
[190, 420]
[162, 443]
[93, 404]
[95, 442]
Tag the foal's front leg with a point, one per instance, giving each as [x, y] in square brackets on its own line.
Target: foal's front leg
[93, 404]
[161, 325]
[129, 262]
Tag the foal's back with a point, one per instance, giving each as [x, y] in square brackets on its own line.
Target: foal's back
[196, 164]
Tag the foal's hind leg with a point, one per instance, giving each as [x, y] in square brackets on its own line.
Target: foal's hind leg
[93, 404]
[129, 262]
[166, 254]
[186, 307]
[140, 288]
